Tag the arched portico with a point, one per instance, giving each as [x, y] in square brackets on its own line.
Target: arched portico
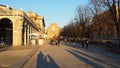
[16, 27]
[6, 31]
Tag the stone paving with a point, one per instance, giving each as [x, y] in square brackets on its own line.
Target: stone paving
[68, 55]
[96, 56]
[49, 56]
[11, 56]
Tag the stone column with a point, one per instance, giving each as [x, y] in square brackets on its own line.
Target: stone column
[17, 34]
[25, 33]
[28, 33]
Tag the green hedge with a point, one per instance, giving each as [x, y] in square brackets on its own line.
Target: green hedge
[95, 42]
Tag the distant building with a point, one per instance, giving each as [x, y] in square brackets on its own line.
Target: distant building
[53, 30]
[37, 20]
[16, 26]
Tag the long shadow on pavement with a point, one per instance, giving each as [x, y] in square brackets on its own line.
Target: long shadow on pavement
[112, 58]
[45, 61]
[94, 65]
[111, 64]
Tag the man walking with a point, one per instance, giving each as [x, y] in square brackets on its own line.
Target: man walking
[86, 42]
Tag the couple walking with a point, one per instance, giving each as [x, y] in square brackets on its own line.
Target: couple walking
[85, 43]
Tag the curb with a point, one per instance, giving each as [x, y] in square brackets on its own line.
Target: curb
[25, 59]
[2, 49]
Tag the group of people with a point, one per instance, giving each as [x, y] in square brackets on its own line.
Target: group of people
[85, 43]
[55, 41]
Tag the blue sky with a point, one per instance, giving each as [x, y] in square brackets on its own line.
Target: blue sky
[54, 11]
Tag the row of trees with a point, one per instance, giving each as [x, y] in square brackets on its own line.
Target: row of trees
[100, 19]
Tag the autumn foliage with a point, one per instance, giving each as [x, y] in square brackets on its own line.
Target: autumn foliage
[98, 21]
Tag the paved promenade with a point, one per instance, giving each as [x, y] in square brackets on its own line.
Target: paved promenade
[66, 56]
[15, 57]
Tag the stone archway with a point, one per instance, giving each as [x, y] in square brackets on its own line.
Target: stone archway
[6, 31]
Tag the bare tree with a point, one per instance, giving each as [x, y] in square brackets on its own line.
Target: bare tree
[82, 18]
[108, 5]
[114, 8]
[96, 9]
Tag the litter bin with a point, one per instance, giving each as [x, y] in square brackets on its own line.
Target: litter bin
[33, 42]
[40, 41]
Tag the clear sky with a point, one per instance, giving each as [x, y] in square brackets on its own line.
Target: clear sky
[54, 11]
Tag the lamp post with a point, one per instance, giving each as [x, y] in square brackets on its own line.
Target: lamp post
[78, 26]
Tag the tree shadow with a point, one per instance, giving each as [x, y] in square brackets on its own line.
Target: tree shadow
[99, 51]
[94, 65]
[45, 61]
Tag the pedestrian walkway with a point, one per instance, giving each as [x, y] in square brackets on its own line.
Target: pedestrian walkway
[95, 55]
[50, 56]
[13, 56]
[65, 56]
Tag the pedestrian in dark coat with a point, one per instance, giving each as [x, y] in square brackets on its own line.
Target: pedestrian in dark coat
[87, 42]
[83, 43]
[58, 41]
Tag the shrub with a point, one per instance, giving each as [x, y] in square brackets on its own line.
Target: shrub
[95, 42]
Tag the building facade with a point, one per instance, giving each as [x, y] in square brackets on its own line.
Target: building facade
[16, 26]
[53, 31]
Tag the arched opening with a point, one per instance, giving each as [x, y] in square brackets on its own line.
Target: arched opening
[6, 31]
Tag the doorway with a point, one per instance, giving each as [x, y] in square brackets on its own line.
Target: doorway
[6, 31]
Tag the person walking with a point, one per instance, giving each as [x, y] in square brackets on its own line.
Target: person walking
[1, 42]
[83, 42]
[65, 40]
[86, 42]
[58, 41]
